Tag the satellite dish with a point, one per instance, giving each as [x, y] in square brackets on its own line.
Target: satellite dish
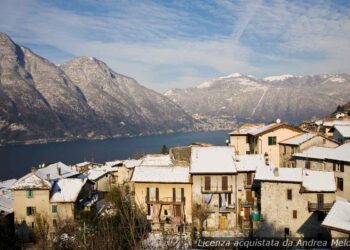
[278, 120]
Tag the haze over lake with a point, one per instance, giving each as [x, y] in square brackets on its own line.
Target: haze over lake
[17, 160]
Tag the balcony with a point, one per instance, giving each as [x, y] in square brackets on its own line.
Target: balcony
[216, 190]
[247, 203]
[314, 206]
[166, 201]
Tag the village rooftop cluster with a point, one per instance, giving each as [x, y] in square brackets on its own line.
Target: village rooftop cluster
[270, 180]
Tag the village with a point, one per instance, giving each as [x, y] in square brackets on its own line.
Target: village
[270, 180]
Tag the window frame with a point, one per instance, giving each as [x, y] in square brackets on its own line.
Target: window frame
[272, 140]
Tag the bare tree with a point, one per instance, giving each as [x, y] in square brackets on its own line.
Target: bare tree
[41, 231]
[200, 212]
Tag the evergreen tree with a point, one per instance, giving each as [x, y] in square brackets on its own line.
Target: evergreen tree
[165, 150]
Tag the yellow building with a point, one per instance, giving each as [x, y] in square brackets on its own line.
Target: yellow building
[165, 193]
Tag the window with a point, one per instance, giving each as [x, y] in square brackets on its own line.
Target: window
[248, 139]
[272, 140]
[286, 231]
[307, 164]
[54, 209]
[338, 167]
[177, 210]
[340, 184]
[178, 194]
[289, 194]
[295, 214]
[152, 194]
[30, 193]
[149, 209]
[207, 183]
[224, 183]
[31, 211]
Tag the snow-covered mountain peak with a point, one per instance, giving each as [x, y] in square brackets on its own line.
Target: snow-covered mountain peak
[278, 78]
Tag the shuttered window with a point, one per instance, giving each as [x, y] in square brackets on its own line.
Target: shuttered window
[272, 140]
[224, 183]
[295, 214]
[289, 194]
[207, 183]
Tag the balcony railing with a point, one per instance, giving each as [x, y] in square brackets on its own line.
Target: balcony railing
[314, 206]
[216, 189]
[247, 203]
[165, 201]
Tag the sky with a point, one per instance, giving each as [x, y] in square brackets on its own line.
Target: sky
[181, 43]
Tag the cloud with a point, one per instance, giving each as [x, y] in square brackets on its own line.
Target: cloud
[178, 44]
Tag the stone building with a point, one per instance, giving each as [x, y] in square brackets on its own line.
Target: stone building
[329, 159]
[337, 220]
[300, 143]
[293, 201]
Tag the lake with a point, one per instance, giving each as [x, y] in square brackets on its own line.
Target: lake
[17, 160]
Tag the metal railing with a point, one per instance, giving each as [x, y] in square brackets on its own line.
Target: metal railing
[315, 206]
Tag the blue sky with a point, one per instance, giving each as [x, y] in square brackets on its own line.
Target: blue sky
[177, 44]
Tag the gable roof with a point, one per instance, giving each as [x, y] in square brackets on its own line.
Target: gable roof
[155, 160]
[299, 139]
[170, 174]
[53, 171]
[271, 127]
[338, 218]
[274, 174]
[340, 153]
[318, 181]
[67, 190]
[31, 181]
[249, 163]
[344, 130]
[214, 159]
[246, 128]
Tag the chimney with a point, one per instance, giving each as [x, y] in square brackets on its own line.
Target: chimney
[48, 177]
[59, 170]
[276, 172]
[266, 156]
[33, 170]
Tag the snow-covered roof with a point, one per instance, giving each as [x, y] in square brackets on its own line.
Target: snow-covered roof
[31, 181]
[278, 174]
[53, 171]
[318, 181]
[155, 160]
[82, 164]
[334, 122]
[214, 159]
[112, 164]
[315, 153]
[249, 163]
[299, 139]
[338, 217]
[7, 184]
[246, 128]
[66, 190]
[170, 174]
[344, 130]
[6, 197]
[95, 174]
[131, 163]
[270, 127]
[340, 153]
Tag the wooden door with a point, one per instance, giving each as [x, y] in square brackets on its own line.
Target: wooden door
[222, 222]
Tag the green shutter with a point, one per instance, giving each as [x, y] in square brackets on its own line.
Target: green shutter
[270, 140]
[54, 208]
[30, 194]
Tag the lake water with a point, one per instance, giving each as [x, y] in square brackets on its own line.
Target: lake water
[17, 160]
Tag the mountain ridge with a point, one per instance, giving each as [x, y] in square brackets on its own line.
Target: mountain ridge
[40, 101]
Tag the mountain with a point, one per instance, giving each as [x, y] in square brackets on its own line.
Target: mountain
[81, 99]
[247, 98]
